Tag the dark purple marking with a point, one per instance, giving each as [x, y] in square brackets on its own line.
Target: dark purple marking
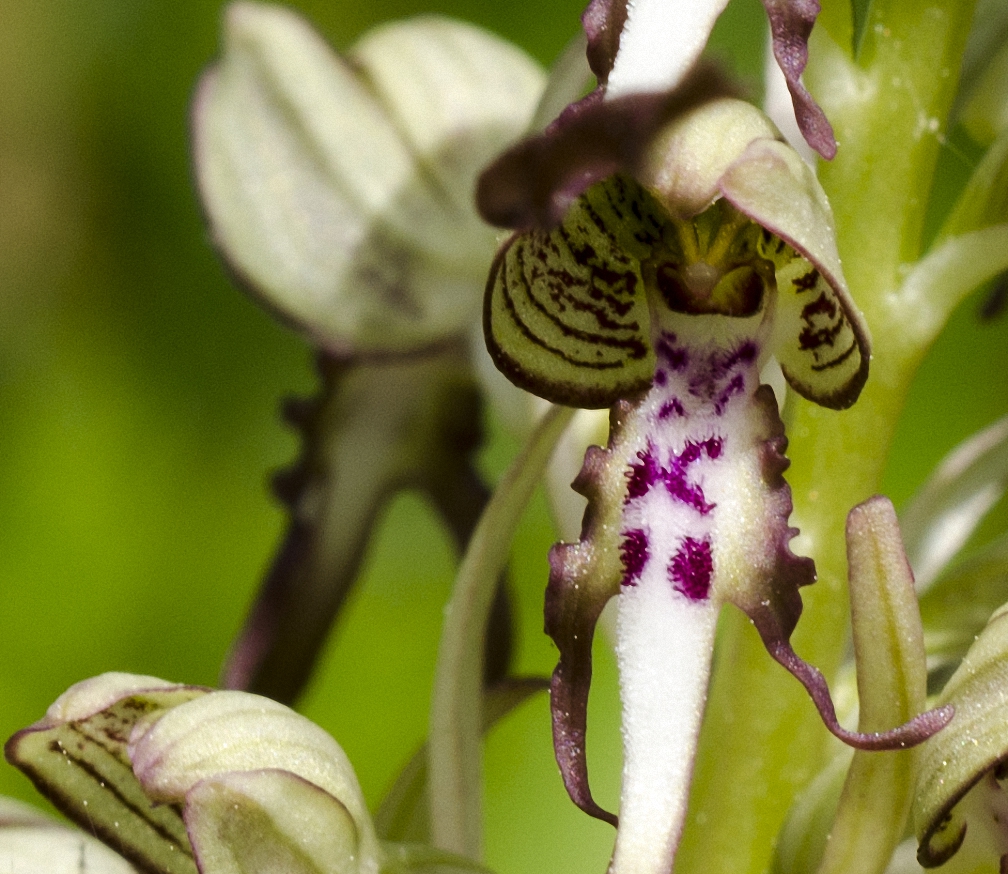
[811, 338]
[675, 356]
[691, 569]
[675, 478]
[806, 282]
[735, 387]
[634, 552]
[644, 475]
[692, 451]
[689, 494]
[660, 377]
[744, 354]
[671, 407]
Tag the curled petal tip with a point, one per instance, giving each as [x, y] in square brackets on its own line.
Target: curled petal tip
[910, 734]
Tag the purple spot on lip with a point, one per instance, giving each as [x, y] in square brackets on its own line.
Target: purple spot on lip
[692, 451]
[734, 387]
[693, 496]
[675, 356]
[675, 479]
[744, 354]
[634, 552]
[643, 475]
[660, 377]
[691, 569]
[669, 407]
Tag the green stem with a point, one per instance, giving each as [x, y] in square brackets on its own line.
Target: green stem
[456, 705]
[762, 740]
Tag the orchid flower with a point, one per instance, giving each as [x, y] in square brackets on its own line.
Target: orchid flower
[182, 779]
[662, 289]
[338, 191]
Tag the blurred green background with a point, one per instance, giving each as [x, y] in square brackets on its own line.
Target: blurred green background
[138, 398]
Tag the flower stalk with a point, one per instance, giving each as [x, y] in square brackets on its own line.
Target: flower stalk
[456, 724]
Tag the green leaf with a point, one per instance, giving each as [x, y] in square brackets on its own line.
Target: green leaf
[984, 201]
[957, 606]
[892, 681]
[981, 104]
[860, 14]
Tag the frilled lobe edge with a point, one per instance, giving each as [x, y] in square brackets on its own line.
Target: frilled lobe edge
[374, 428]
[534, 182]
[774, 605]
[583, 577]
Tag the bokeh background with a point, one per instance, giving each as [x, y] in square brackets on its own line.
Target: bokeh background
[138, 399]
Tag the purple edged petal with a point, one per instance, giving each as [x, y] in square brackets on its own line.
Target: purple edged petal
[583, 577]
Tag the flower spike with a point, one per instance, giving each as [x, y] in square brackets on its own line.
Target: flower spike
[661, 290]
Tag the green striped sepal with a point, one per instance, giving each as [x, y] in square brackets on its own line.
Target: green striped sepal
[565, 314]
[77, 758]
[181, 780]
[819, 336]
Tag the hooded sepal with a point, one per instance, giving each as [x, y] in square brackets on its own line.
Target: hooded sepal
[651, 45]
[820, 338]
[549, 341]
[583, 577]
[535, 181]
